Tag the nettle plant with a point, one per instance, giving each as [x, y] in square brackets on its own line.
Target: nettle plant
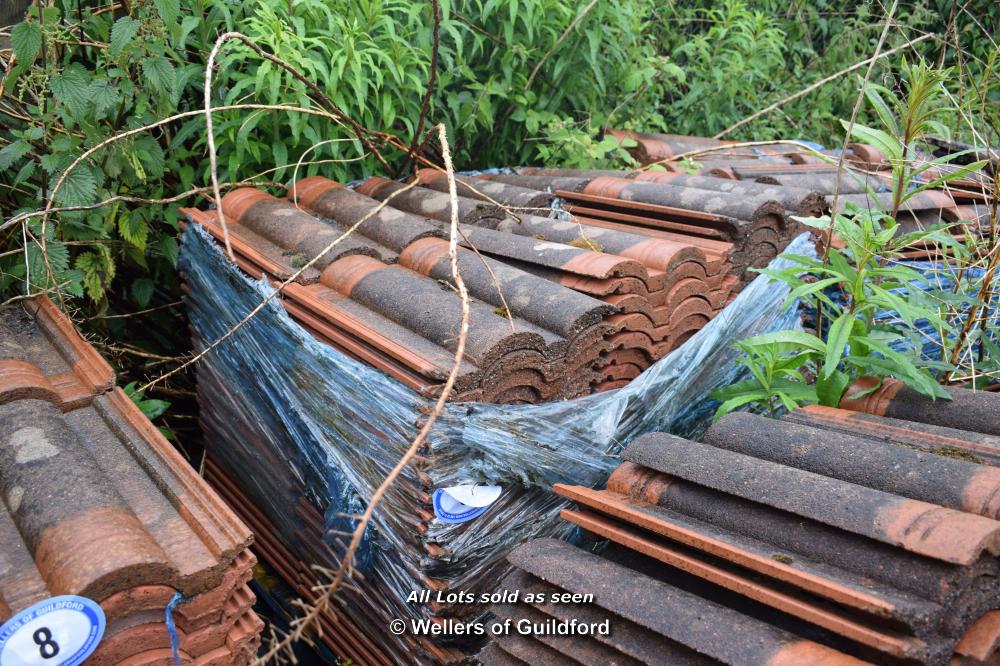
[79, 75]
[865, 276]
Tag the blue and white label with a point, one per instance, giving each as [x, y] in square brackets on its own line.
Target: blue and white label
[60, 631]
[458, 504]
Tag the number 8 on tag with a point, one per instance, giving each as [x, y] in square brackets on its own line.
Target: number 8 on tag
[61, 631]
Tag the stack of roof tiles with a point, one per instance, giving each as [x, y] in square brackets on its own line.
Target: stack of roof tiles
[559, 310]
[788, 173]
[742, 228]
[867, 534]
[663, 288]
[97, 503]
[299, 436]
[340, 629]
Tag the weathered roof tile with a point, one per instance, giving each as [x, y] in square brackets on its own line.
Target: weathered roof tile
[863, 533]
[95, 502]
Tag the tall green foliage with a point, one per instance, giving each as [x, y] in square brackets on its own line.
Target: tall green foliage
[81, 76]
[742, 55]
[372, 57]
[868, 274]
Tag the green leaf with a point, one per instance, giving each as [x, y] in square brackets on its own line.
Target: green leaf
[889, 146]
[188, 24]
[830, 388]
[25, 172]
[151, 409]
[787, 341]
[814, 222]
[797, 390]
[26, 38]
[836, 341]
[97, 272]
[730, 405]
[142, 291]
[739, 388]
[873, 93]
[843, 268]
[791, 365]
[169, 10]
[860, 393]
[280, 150]
[160, 74]
[12, 153]
[122, 33]
[73, 280]
[808, 288]
[79, 188]
[105, 97]
[71, 88]
[167, 246]
[947, 178]
[133, 229]
[787, 401]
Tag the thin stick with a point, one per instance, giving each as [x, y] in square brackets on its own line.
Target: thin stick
[821, 82]
[431, 83]
[562, 38]
[850, 125]
[123, 198]
[138, 312]
[301, 624]
[210, 135]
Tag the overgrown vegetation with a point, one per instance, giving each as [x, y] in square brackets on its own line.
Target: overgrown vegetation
[517, 81]
[850, 287]
[737, 57]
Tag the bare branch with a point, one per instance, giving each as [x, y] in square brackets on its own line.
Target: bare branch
[302, 624]
[822, 82]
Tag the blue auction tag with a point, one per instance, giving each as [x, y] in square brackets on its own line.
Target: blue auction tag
[449, 510]
[60, 631]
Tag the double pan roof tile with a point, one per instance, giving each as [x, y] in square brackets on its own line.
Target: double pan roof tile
[95, 502]
[867, 534]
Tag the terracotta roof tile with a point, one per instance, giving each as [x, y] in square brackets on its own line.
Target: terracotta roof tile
[843, 530]
[42, 356]
[97, 503]
[522, 198]
[683, 625]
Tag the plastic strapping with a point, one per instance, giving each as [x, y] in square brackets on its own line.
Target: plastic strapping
[175, 640]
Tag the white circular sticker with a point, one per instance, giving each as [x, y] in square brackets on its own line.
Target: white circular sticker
[474, 494]
[60, 631]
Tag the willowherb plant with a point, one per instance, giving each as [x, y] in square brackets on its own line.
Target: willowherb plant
[867, 275]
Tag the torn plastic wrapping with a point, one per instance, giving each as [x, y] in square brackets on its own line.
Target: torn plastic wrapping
[289, 417]
[944, 278]
[938, 277]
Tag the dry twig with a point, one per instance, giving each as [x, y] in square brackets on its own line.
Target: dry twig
[302, 624]
[822, 82]
[431, 82]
